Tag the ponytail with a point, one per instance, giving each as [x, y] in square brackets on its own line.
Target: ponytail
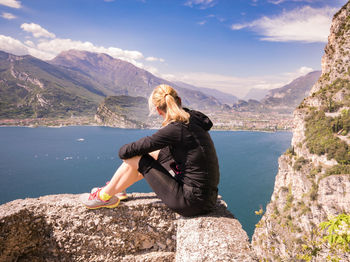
[166, 99]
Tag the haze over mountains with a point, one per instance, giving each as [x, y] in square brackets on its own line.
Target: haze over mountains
[117, 77]
[224, 98]
[284, 99]
[76, 82]
[256, 94]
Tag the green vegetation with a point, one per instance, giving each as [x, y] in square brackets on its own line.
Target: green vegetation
[31, 88]
[332, 236]
[134, 109]
[320, 136]
[289, 199]
[345, 27]
[314, 172]
[290, 151]
[299, 163]
[326, 93]
[338, 169]
[313, 192]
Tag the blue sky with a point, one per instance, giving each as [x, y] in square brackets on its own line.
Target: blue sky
[230, 45]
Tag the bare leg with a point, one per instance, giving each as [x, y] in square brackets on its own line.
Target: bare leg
[126, 175]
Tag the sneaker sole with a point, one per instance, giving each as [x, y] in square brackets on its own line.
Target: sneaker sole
[104, 206]
[123, 197]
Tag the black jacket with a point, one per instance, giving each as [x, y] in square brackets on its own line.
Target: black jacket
[191, 147]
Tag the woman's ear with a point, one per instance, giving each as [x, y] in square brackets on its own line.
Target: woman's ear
[160, 112]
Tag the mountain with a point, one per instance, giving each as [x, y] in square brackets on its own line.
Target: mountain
[33, 88]
[249, 106]
[281, 100]
[289, 96]
[117, 77]
[74, 84]
[125, 112]
[312, 184]
[223, 97]
[256, 94]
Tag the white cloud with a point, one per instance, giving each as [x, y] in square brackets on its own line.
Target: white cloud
[47, 49]
[154, 59]
[304, 24]
[238, 86]
[13, 46]
[151, 69]
[277, 2]
[11, 3]
[37, 30]
[8, 16]
[30, 43]
[304, 70]
[55, 46]
[202, 4]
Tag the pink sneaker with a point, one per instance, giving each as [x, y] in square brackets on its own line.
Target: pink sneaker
[122, 195]
[93, 201]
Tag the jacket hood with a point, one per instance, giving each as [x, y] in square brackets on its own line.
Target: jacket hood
[199, 119]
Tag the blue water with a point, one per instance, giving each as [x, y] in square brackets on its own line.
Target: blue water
[42, 161]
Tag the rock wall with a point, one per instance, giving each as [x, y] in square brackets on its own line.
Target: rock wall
[310, 187]
[59, 228]
[104, 116]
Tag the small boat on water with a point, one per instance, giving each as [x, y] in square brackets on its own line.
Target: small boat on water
[80, 139]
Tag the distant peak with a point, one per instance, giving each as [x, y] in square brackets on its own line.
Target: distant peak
[82, 54]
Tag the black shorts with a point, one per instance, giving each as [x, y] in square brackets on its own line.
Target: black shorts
[181, 198]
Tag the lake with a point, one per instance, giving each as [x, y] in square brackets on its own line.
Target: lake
[42, 161]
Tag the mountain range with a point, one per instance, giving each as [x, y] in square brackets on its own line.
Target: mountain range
[256, 94]
[76, 83]
[223, 97]
[117, 77]
[282, 100]
[34, 88]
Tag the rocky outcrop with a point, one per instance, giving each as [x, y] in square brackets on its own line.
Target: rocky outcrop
[59, 228]
[282, 100]
[125, 112]
[214, 237]
[106, 117]
[313, 183]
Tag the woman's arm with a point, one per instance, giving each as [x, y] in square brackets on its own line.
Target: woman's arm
[168, 135]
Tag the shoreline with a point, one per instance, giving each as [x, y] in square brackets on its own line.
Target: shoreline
[97, 125]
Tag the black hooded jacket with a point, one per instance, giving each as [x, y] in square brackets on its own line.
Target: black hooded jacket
[191, 148]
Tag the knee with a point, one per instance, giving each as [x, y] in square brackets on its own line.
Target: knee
[154, 154]
[132, 162]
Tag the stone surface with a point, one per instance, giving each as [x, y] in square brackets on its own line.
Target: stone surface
[217, 236]
[59, 228]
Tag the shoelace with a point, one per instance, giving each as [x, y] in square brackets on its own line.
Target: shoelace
[94, 195]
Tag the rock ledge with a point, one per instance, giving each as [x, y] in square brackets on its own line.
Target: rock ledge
[58, 228]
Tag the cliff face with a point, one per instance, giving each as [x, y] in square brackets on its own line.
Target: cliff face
[59, 228]
[125, 112]
[313, 181]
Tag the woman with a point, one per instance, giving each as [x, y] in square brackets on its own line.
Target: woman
[179, 161]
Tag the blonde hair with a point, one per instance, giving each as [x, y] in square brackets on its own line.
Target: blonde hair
[166, 99]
